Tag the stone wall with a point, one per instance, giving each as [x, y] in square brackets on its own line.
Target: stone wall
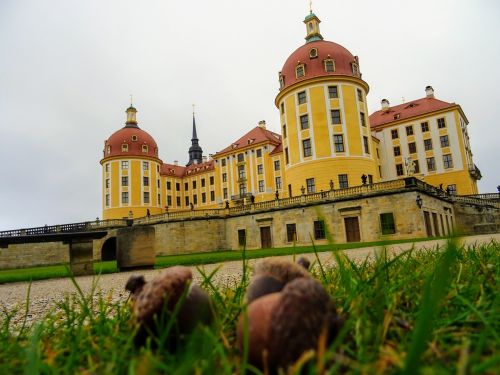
[33, 254]
[477, 218]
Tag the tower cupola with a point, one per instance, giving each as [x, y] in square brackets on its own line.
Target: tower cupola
[312, 28]
[131, 116]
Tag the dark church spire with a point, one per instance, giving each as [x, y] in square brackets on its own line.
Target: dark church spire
[195, 151]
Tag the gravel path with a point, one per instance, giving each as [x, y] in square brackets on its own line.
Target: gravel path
[45, 294]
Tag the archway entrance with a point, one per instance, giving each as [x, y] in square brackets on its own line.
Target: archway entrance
[108, 251]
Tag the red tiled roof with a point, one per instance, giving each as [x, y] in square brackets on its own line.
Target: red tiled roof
[343, 60]
[180, 171]
[407, 110]
[135, 138]
[277, 150]
[254, 136]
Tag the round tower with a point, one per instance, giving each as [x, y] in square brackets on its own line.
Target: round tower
[324, 117]
[130, 172]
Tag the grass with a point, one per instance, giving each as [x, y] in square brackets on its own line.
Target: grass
[421, 312]
[57, 271]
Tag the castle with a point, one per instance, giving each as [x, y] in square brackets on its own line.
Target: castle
[328, 141]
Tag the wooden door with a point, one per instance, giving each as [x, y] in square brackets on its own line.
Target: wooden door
[352, 229]
[265, 237]
[428, 226]
[436, 225]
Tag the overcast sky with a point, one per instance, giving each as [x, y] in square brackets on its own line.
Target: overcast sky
[67, 68]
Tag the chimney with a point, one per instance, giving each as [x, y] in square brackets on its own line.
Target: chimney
[429, 92]
[204, 159]
[176, 162]
[385, 104]
[262, 124]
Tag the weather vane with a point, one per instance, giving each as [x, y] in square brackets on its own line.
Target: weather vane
[193, 108]
[131, 100]
[310, 6]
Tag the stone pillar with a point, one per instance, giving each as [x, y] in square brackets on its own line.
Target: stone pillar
[135, 247]
[81, 257]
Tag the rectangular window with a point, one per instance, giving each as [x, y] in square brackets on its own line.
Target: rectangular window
[158, 184]
[106, 167]
[186, 199]
[301, 97]
[259, 152]
[276, 165]
[399, 169]
[212, 180]
[333, 92]
[202, 182]
[186, 186]
[145, 165]
[169, 185]
[260, 169]
[424, 126]
[362, 117]
[125, 164]
[282, 107]
[441, 123]
[278, 183]
[284, 130]
[107, 200]
[242, 238]
[343, 181]
[311, 187]
[241, 171]
[360, 95]
[177, 186]
[444, 141]
[431, 164]
[145, 181]
[336, 116]
[212, 196]
[394, 134]
[387, 223]
[241, 157]
[224, 193]
[203, 198]
[125, 197]
[169, 200]
[291, 232]
[338, 142]
[447, 161]
[412, 147]
[329, 65]
[452, 189]
[224, 177]
[146, 197]
[178, 201]
[261, 186]
[417, 166]
[319, 230]
[409, 130]
[304, 122]
[397, 150]
[306, 147]
[365, 143]
[287, 159]
[427, 144]
[223, 162]
[370, 179]
[243, 189]
[194, 184]
[107, 183]
[124, 180]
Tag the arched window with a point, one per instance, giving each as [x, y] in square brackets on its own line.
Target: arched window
[313, 53]
[355, 69]
[124, 147]
[144, 148]
[329, 65]
[282, 81]
[300, 70]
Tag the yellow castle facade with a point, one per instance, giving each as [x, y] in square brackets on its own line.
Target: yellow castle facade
[328, 141]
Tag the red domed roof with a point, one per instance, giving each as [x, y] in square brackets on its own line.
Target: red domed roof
[315, 66]
[135, 138]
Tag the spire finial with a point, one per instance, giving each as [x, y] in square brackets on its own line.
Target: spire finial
[131, 100]
[193, 108]
[310, 6]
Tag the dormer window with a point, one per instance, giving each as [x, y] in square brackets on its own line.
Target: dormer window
[282, 81]
[355, 69]
[329, 65]
[134, 138]
[109, 150]
[144, 148]
[300, 70]
[124, 147]
[313, 53]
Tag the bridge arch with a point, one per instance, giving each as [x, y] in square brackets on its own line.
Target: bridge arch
[108, 250]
